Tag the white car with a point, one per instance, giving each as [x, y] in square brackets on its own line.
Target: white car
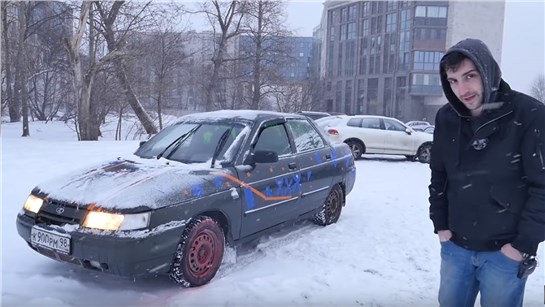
[370, 134]
[419, 125]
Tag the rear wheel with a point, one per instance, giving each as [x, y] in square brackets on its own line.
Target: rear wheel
[356, 148]
[332, 207]
[199, 253]
[424, 153]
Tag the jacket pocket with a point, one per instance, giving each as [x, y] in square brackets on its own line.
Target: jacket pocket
[509, 198]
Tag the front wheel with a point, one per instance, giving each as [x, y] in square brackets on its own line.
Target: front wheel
[332, 207]
[424, 153]
[199, 253]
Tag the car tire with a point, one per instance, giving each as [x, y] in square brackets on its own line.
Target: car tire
[332, 207]
[424, 153]
[357, 149]
[199, 253]
[411, 158]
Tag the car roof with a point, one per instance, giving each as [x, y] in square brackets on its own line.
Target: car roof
[238, 116]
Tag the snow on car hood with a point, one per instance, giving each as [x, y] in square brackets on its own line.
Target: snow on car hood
[134, 183]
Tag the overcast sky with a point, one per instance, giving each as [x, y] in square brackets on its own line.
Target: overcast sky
[523, 37]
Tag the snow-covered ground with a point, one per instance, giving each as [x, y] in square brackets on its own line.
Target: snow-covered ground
[382, 252]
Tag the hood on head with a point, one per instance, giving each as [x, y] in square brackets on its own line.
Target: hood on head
[485, 63]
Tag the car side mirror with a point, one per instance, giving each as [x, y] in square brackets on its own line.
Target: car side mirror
[142, 143]
[408, 131]
[265, 156]
[262, 156]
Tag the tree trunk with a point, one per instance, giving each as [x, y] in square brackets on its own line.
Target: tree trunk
[256, 84]
[19, 87]
[12, 110]
[160, 103]
[132, 99]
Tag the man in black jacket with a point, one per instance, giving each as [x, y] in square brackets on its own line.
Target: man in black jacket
[487, 191]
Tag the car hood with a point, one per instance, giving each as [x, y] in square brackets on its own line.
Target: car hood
[129, 185]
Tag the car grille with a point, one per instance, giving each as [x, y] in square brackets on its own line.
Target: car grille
[60, 213]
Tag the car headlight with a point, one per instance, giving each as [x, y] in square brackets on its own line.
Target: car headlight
[33, 204]
[115, 221]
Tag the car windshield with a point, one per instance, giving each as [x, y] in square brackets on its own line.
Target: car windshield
[189, 142]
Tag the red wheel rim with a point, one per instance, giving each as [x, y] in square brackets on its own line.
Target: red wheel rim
[202, 253]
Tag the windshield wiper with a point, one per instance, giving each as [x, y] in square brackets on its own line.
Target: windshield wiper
[221, 143]
[177, 142]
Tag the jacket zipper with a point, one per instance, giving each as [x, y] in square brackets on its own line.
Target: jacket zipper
[492, 120]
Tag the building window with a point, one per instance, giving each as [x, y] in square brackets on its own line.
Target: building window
[372, 95]
[344, 14]
[338, 93]
[388, 109]
[430, 15]
[343, 29]
[366, 9]
[351, 32]
[391, 22]
[340, 60]
[348, 97]
[361, 96]
[427, 60]
[349, 62]
[365, 27]
[332, 33]
[405, 19]
[391, 5]
[426, 84]
[376, 24]
[352, 12]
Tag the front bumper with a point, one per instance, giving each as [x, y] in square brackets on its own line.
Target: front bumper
[130, 253]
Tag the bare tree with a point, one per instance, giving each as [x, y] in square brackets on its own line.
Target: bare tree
[166, 55]
[538, 88]
[264, 26]
[115, 28]
[225, 19]
[83, 81]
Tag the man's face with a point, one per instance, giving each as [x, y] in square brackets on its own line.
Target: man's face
[467, 85]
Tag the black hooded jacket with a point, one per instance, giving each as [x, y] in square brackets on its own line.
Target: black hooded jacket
[488, 173]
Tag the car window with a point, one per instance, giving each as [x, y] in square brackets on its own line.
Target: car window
[393, 125]
[372, 123]
[354, 122]
[200, 146]
[274, 138]
[305, 136]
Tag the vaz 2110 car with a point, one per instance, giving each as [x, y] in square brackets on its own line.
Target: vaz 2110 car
[209, 180]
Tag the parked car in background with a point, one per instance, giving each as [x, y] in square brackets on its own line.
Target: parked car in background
[429, 129]
[314, 114]
[208, 180]
[419, 125]
[370, 134]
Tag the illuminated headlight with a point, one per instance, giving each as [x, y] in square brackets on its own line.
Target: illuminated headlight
[33, 204]
[114, 221]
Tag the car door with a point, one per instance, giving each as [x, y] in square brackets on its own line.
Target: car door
[372, 134]
[270, 191]
[315, 162]
[397, 141]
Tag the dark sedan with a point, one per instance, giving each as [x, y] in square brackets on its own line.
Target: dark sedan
[209, 180]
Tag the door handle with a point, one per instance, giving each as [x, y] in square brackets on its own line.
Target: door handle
[292, 165]
[328, 156]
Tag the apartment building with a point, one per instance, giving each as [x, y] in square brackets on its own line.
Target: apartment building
[382, 57]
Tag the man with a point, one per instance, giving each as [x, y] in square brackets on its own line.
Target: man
[487, 191]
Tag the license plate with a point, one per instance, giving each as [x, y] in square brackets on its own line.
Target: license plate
[51, 240]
